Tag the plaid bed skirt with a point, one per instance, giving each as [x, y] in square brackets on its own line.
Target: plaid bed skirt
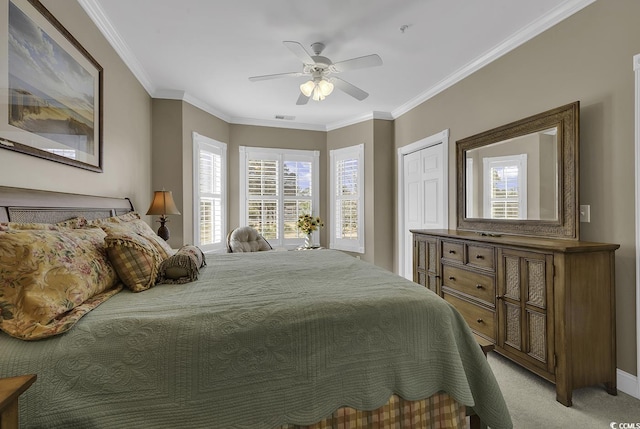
[436, 412]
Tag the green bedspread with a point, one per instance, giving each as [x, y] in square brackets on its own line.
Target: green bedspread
[261, 339]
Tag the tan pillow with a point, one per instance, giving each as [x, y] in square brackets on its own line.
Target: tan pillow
[183, 266]
[135, 259]
[139, 227]
[45, 274]
[127, 217]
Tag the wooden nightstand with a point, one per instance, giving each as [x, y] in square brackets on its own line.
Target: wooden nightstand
[10, 389]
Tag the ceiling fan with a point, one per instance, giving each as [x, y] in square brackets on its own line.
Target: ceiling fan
[320, 70]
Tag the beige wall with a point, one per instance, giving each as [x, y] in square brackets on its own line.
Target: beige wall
[126, 127]
[196, 120]
[377, 137]
[360, 133]
[166, 158]
[384, 194]
[587, 57]
[174, 122]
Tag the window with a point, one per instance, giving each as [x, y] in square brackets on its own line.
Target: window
[505, 187]
[347, 199]
[209, 193]
[278, 185]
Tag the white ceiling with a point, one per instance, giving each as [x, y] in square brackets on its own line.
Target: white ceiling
[204, 51]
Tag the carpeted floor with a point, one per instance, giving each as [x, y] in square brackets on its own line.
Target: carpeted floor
[532, 402]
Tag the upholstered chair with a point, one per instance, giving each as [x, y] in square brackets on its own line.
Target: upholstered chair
[246, 239]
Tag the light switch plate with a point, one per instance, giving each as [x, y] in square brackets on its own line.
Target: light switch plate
[585, 213]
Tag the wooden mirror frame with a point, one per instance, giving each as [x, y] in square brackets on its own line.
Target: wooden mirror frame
[567, 120]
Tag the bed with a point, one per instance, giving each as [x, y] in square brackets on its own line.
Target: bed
[259, 340]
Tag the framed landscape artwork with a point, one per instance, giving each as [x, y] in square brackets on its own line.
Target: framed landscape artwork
[50, 89]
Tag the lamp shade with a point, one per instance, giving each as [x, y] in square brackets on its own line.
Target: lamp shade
[163, 204]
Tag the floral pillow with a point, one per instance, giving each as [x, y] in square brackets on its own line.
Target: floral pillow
[135, 259]
[7, 226]
[46, 275]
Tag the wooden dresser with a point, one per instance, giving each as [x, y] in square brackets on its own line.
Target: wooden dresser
[547, 304]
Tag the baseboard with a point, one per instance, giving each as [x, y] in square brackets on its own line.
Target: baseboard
[628, 383]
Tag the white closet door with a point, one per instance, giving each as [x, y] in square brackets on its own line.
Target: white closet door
[423, 196]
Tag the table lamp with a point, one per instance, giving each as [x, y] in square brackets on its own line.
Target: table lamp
[163, 205]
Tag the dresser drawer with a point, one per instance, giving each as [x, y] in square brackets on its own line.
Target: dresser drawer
[481, 257]
[479, 319]
[453, 251]
[468, 282]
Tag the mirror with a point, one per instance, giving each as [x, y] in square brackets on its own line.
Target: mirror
[522, 178]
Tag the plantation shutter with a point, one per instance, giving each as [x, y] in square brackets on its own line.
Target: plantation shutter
[209, 193]
[347, 197]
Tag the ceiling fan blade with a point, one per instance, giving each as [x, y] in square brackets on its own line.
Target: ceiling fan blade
[302, 100]
[299, 51]
[372, 60]
[350, 89]
[275, 76]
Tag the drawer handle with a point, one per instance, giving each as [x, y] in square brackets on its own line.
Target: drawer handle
[479, 257]
[451, 278]
[452, 252]
[479, 286]
[480, 321]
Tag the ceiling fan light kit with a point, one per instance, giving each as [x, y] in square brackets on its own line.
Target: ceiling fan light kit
[319, 68]
[317, 90]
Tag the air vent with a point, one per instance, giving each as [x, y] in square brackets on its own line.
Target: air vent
[285, 117]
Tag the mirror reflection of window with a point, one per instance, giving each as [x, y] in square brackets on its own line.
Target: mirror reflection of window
[505, 193]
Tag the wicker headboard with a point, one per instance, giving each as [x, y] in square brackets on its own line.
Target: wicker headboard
[29, 205]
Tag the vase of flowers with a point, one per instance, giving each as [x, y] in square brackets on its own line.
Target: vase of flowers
[307, 224]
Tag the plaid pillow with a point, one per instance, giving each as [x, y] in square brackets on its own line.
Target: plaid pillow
[135, 260]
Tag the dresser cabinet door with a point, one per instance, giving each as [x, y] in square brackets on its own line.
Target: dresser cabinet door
[426, 262]
[525, 310]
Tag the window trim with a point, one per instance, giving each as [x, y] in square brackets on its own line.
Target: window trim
[208, 144]
[335, 155]
[280, 155]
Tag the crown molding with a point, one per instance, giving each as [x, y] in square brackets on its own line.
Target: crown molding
[525, 34]
[277, 124]
[361, 118]
[568, 8]
[97, 15]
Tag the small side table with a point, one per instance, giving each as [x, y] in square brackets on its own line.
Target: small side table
[10, 389]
